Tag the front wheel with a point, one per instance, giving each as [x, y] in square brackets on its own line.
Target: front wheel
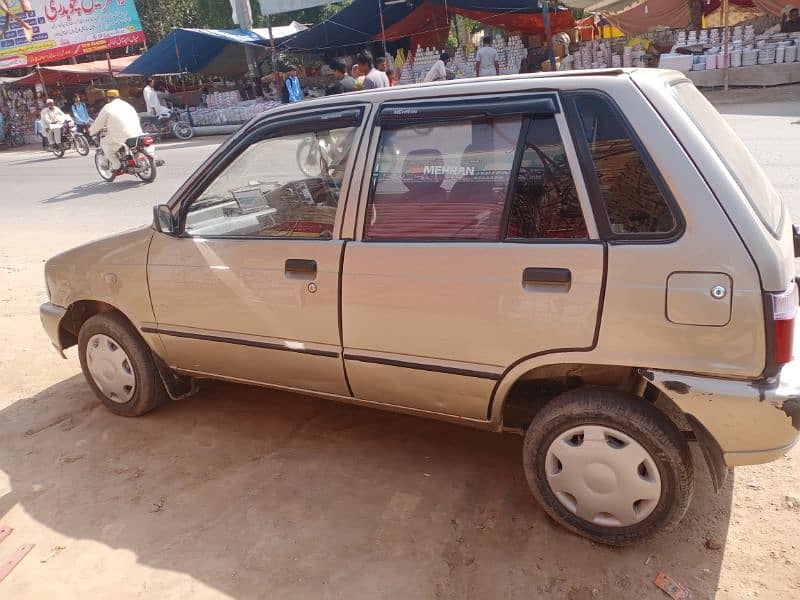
[119, 366]
[81, 145]
[103, 167]
[183, 131]
[58, 150]
[608, 466]
[147, 168]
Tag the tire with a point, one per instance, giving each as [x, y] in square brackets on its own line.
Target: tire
[183, 131]
[103, 167]
[629, 425]
[17, 139]
[309, 159]
[58, 151]
[148, 176]
[116, 343]
[81, 145]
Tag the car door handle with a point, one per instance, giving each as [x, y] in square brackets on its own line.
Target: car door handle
[300, 268]
[547, 278]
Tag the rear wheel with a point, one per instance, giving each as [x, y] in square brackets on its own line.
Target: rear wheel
[103, 167]
[608, 466]
[183, 131]
[81, 144]
[147, 166]
[119, 366]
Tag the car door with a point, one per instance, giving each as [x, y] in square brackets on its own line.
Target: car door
[475, 248]
[249, 288]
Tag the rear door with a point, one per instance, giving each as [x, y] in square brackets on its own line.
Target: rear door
[474, 249]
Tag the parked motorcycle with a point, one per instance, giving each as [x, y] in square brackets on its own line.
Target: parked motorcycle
[13, 135]
[137, 157]
[164, 125]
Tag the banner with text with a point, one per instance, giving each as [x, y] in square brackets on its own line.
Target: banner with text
[66, 28]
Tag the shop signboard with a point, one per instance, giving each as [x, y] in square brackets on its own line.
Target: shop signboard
[61, 29]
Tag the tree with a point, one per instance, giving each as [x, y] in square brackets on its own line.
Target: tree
[159, 17]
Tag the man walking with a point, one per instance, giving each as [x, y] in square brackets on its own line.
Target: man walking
[121, 122]
[373, 78]
[486, 62]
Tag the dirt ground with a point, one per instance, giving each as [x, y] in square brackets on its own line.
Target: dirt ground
[248, 493]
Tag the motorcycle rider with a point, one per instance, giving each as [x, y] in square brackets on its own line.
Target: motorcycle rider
[153, 102]
[80, 114]
[121, 122]
[53, 119]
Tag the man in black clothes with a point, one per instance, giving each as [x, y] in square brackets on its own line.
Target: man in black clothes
[344, 83]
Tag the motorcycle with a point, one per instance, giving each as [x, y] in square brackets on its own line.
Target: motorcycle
[137, 157]
[69, 139]
[13, 135]
[83, 141]
[164, 125]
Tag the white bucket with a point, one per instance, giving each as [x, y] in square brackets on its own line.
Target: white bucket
[790, 54]
[736, 58]
[780, 54]
[711, 61]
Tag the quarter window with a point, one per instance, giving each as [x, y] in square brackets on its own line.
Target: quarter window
[632, 198]
[545, 203]
[286, 187]
[442, 182]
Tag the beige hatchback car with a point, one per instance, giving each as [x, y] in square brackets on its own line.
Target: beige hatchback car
[592, 259]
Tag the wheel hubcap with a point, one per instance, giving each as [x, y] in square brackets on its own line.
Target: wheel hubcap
[110, 368]
[603, 476]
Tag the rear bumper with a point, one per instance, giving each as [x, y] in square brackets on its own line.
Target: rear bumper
[752, 421]
[51, 316]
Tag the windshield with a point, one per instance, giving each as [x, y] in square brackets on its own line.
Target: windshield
[734, 154]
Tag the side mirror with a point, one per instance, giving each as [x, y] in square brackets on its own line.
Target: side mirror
[162, 219]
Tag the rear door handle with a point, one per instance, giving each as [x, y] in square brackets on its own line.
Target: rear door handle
[300, 268]
[547, 278]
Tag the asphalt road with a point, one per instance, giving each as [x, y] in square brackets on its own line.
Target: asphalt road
[247, 493]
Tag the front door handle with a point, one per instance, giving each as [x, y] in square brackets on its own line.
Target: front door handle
[546, 278]
[300, 268]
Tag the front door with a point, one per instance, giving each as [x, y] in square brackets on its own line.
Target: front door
[475, 250]
[249, 290]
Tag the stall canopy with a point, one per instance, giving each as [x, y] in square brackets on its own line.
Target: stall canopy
[77, 74]
[426, 22]
[278, 33]
[206, 51]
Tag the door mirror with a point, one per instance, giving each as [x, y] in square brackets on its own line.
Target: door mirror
[162, 219]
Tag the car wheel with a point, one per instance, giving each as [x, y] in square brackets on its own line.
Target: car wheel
[607, 465]
[119, 366]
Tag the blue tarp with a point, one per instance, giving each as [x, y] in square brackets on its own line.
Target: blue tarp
[208, 51]
[359, 23]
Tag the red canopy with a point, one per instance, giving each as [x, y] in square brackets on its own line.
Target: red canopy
[429, 24]
[77, 74]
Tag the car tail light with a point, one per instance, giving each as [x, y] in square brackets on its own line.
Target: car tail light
[784, 310]
[147, 140]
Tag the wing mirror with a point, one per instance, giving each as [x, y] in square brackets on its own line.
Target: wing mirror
[163, 220]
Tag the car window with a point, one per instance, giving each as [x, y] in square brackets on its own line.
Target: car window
[763, 197]
[545, 203]
[446, 181]
[279, 187]
[632, 198]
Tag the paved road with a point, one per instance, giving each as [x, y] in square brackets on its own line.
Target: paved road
[248, 493]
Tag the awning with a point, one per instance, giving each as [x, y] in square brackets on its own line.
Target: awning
[76, 74]
[280, 32]
[206, 51]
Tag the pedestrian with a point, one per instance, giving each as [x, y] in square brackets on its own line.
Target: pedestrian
[438, 71]
[38, 129]
[151, 99]
[373, 78]
[487, 63]
[292, 92]
[792, 24]
[357, 76]
[344, 83]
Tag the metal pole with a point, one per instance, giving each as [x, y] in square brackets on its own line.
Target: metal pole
[548, 35]
[725, 43]
[275, 75]
[383, 30]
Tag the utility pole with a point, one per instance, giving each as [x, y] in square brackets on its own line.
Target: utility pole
[548, 34]
[243, 16]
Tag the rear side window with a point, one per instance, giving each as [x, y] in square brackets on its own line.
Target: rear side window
[633, 201]
[445, 181]
[734, 154]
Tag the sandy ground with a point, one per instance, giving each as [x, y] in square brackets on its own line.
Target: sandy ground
[247, 493]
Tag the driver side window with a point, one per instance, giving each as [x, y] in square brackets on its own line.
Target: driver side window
[283, 187]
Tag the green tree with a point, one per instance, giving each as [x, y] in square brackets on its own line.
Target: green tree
[158, 17]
